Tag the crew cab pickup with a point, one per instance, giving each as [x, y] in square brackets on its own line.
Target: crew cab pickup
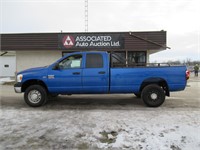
[99, 73]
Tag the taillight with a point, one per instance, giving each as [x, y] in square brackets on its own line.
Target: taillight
[187, 73]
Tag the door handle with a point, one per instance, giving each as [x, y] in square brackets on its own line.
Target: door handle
[76, 73]
[102, 72]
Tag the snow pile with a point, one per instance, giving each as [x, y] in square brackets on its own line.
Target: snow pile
[5, 80]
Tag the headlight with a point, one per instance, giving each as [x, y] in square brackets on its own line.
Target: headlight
[19, 77]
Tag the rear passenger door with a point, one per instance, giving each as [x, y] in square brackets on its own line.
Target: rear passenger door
[95, 76]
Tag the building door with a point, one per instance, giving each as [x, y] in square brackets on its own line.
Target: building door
[7, 66]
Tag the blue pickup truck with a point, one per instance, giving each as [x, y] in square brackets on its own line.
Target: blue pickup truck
[98, 73]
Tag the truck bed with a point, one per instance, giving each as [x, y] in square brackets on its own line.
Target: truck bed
[128, 80]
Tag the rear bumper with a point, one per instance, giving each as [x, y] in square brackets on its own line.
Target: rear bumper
[18, 87]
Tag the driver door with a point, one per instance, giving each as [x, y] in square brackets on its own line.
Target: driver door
[66, 78]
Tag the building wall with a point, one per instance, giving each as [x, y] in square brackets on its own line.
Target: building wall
[134, 41]
[148, 54]
[30, 59]
[7, 66]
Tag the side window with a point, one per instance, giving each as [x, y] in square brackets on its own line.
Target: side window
[118, 59]
[137, 57]
[94, 61]
[73, 61]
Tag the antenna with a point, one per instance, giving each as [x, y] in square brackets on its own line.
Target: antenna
[86, 15]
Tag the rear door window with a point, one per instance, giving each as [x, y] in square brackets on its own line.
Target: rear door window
[94, 61]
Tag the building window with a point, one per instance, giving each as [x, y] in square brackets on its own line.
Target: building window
[6, 66]
[118, 59]
[137, 57]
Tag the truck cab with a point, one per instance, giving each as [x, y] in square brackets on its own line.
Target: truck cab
[80, 73]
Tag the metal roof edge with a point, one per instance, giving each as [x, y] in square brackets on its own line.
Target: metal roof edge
[81, 32]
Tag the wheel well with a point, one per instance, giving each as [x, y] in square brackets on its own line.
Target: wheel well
[33, 82]
[159, 81]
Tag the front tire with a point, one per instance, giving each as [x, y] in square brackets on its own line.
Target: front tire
[35, 95]
[153, 95]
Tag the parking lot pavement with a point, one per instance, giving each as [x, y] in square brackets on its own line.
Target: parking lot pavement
[101, 121]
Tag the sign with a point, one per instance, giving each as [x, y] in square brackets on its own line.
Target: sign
[68, 41]
[90, 41]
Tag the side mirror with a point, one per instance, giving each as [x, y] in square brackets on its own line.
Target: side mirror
[56, 67]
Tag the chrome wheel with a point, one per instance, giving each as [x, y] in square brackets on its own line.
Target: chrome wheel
[34, 96]
[154, 96]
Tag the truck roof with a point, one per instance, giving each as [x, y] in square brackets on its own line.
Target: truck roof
[83, 52]
[88, 52]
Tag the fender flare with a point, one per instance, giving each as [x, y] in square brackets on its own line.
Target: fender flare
[156, 80]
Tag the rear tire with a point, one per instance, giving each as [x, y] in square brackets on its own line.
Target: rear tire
[153, 95]
[35, 95]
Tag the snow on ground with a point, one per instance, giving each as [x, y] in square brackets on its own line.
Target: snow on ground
[5, 80]
[61, 129]
[101, 122]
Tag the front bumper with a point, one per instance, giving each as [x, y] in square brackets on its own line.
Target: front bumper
[18, 87]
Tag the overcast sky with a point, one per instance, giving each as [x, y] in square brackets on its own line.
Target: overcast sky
[180, 18]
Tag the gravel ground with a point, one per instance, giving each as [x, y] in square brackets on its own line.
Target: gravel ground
[101, 122]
